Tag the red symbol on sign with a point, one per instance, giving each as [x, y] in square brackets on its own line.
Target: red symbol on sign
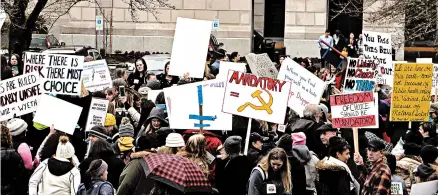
[234, 94]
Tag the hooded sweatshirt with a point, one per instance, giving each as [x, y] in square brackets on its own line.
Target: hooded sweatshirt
[55, 176]
[309, 159]
[426, 172]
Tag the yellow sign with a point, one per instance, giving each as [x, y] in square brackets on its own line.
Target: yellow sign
[411, 92]
[264, 106]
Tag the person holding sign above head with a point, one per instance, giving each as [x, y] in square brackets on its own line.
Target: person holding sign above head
[137, 78]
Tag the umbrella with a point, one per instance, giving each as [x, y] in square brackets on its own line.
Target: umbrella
[177, 172]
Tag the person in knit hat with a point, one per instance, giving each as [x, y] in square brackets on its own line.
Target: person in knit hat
[18, 128]
[174, 144]
[57, 175]
[95, 182]
[110, 122]
[98, 132]
[305, 157]
[125, 142]
[298, 139]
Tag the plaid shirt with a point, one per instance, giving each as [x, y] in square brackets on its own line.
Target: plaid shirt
[377, 181]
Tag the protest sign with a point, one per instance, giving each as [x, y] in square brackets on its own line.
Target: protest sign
[396, 188]
[256, 97]
[191, 60]
[377, 47]
[97, 113]
[424, 60]
[34, 62]
[359, 75]
[261, 65]
[435, 79]
[63, 115]
[411, 92]
[183, 111]
[96, 76]
[63, 74]
[355, 110]
[306, 87]
[152, 94]
[19, 95]
[226, 66]
[425, 188]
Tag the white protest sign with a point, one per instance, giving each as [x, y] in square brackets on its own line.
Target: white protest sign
[184, 112]
[97, 113]
[378, 47]
[359, 76]
[96, 76]
[63, 74]
[306, 87]
[19, 95]
[355, 110]
[396, 188]
[34, 62]
[256, 97]
[226, 66]
[63, 115]
[435, 73]
[425, 188]
[2, 17]
[261, 65]
[190, 46]
[424, 60]
[152, 94]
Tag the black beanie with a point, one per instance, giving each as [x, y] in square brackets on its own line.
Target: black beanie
[429, 154]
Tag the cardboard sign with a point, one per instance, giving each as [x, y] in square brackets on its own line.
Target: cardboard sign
[34, 62]
[190, 61]
[97, 113]
[226, 66]
[425, 188]
[182, 104]
[396, 188]
[377, 47]
[63, 115]
[411, 92]
[152, 94]
[359, 75]
[306, 87]
[261, 65]
[355, 110]
[19, 95]
[424, 60]
[256, 97]
[62, 74]
[96, 76]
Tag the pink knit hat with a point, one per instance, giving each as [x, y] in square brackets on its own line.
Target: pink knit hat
[298, 139]
[25, 154]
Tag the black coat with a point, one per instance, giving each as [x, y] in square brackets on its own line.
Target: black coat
[115, 168]
[298, 173]
[13, 173]
[134, 79]
[254, 156]
[165, 83]
[333, 179]
[232, 178]
[309, 127]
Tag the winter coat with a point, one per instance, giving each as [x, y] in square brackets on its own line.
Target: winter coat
[12, 171]
[377, 180]
[232, 175]
[405, 169]
[426, 173]
[213, 141]
[164, 83]
[431, 141]
[309, 159]
[309, 127]
[134, 79]
[133, 179]
[258, 186]
[395, 178]
[298, 174]
[115, 168]
[335, 178]
[98, 187]
[55, 176]
[254, 156]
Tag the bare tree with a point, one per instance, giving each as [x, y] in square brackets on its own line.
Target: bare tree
[24, 15]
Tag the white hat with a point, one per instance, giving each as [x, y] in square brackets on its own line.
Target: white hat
[175, 140]
[16, 126]
[65, 149]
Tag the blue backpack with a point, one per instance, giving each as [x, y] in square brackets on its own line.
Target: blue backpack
[94, 190]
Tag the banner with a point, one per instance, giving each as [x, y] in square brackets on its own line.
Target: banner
[378, 47]
[97, 113]
[96, 76]
[19, 95]
[359, 76]
[256, 97]
[34, 62]
[261, 65]
[63, 115]
[226, 66]
[306, 87]
[411, 92]
[183, 102]
[190, 46]
[355, 110]
[63, 74]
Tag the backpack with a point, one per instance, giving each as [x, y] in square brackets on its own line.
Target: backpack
[94, 190]
[264, 175]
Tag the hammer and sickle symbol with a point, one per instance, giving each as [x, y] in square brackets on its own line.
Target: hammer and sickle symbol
[264, 106]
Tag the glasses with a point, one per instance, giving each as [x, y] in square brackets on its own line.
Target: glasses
[372, 149]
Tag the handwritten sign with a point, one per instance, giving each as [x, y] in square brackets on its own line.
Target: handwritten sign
[306, 87]
[256, 97]
[377, 47]
[96, 76]
[355, 110]
[360, 75]
[97, 113]
[19, 95]
[396, 188]
[226, 66]
[63, 74]
[411, 92]
[261, 65]
[435, 79]
[34, 62]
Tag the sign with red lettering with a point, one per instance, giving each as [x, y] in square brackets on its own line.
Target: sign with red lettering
[360, 75]
[355, 110]
[306, 87]
[256, 97]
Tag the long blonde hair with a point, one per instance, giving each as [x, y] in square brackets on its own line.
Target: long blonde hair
[279, 154]
[195, 151]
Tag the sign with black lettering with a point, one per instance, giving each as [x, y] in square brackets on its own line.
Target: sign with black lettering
[34, 62]
[378, 47]
[63, 74]
[359, 76]
[19, 95]
[97, 113]
[96, 76]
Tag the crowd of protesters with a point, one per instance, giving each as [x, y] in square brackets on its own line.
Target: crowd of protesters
[309, 157]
